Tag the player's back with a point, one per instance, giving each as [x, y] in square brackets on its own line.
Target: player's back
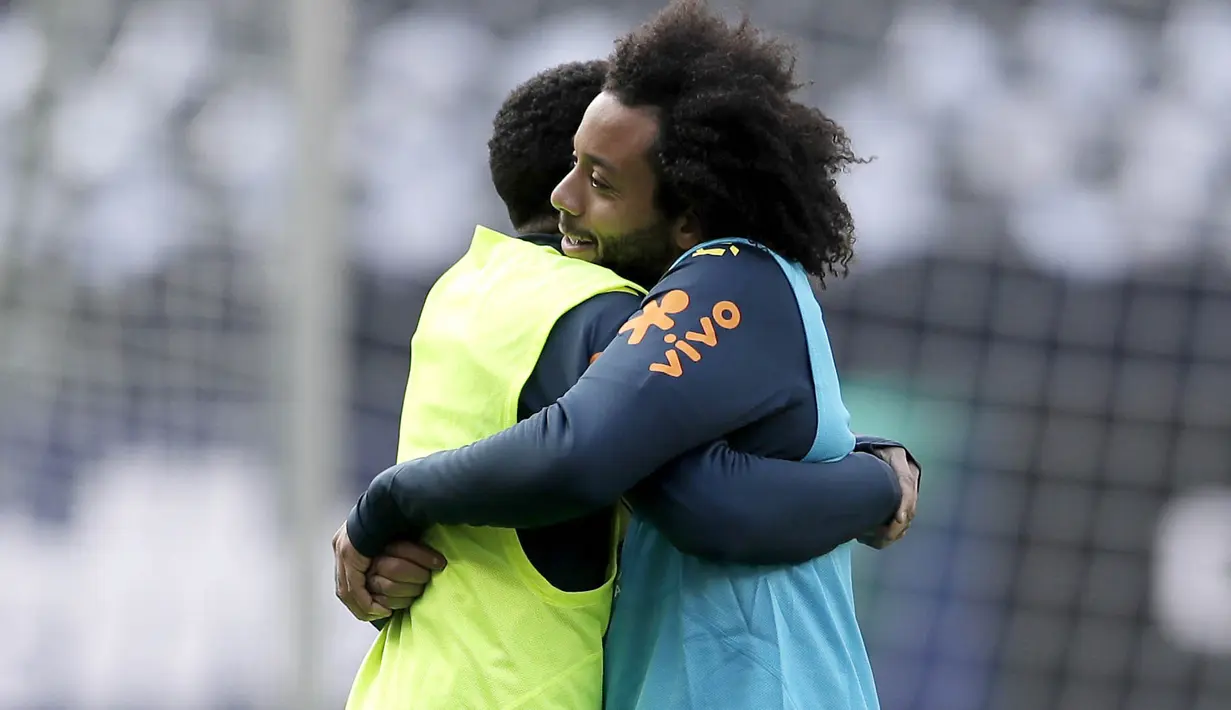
[489, 632]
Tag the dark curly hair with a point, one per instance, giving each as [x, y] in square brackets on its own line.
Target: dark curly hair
[531, 147]
[733, 147]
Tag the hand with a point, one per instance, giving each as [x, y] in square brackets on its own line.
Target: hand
[398, 575]
[908, 481]
[350, 569]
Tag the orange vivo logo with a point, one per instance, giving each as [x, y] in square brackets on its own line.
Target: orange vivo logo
[658, 315]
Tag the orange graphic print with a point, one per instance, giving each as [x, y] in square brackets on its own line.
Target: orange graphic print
[727, 314]
[656, 315]
[724, 315]
[707, 336]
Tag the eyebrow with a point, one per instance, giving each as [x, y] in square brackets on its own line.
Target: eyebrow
[599, 162]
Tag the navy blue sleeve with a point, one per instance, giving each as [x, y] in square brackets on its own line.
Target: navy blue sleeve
[717, 503]
[687, 368]
[728, 506]
[576, 340]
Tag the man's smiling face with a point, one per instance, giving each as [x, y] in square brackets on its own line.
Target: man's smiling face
[608, 214]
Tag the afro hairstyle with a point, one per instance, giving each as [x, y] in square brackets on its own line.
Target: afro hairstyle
[734, 147]
[531, 147]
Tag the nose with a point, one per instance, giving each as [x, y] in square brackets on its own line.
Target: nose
[563, 198]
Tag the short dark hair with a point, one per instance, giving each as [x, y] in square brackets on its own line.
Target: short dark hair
[733, 147]
[531, 147]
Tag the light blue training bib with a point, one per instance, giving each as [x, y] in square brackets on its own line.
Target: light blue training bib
[691, 635]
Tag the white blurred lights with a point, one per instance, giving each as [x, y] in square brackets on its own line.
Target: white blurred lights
[23, 54]
[167, 49]
[895, 200]
[1196, 48]
[1192, 571]
[1029, 139]
[100, 129]
[963, 62]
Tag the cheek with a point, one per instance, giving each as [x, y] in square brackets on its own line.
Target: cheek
[603, 221]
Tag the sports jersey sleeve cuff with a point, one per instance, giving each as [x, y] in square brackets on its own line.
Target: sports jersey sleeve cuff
[862, 443]
[369, 525]
[361, 538]
[867, 444]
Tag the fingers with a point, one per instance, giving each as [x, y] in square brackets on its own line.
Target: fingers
[882, 539]
[371, 589]
[908, 480]
[393, 603]
[400, 570]
[906, 508]
[910, 501]
[896, 530]
[343, 583]
[360, 600]
[910, 497]
[383, 586]
[415, 553]
[896, 457]
[350, 580]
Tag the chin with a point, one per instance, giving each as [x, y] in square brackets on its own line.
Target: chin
[590, 255]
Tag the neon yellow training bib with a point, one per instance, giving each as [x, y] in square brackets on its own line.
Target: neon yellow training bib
[489, 633]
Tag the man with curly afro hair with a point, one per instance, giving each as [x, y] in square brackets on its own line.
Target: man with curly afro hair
[545, 591]
[721, 148]
[695, 156]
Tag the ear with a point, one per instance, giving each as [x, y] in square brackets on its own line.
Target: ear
[686, 230]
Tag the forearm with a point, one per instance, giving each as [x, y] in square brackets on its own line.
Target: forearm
[554, 466]
[767, 511]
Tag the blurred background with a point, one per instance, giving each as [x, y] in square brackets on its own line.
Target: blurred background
[219, 218]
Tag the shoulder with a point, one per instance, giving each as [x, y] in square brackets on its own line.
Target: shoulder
[573, 343]
[595, 321]
[731, 286]
[587, 329]
[716, 309]
[747, 267]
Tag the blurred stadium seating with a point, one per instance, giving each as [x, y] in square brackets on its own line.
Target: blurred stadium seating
[1041, 307]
